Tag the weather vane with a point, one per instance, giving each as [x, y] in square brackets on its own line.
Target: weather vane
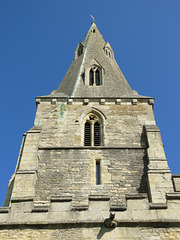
[93, 18]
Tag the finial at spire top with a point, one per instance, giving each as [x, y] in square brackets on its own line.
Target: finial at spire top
[93, 18]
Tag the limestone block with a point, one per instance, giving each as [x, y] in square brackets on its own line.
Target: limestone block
[70, 101]
[151, 101]
[134, 101]
[158, 165]
[28, 156]
[137, 204]
[24, 186]
[86, 101]
[118, 101]
[176, 181]
[141, 215]
[174, 204]
[102, 101]
[22, 206]
[54, 101]
[171, 214]
[98, 205]
[4, 217]
[38, 100]
[60, 206]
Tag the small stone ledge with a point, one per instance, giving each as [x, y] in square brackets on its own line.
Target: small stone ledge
[157, 159]
[79, 208]
[134, 101]
[98, 223]
[118, 101]
[136, 196]
[175, 195]
[61, 198]
[151, 101]
[102, 101]
[99, 198]
[4, 209]
[118, 208]
[89, 147]
[40, 209]
[70, 101]
[41, 206]
[157, 171]
[34, 129]
[21, 199]
[157, 206]
[86, 101]
[38, 101]
[152, 128]
[176, 182]
[54, 101]
[26, 172]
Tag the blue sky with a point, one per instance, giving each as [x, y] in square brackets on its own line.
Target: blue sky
[37, 43]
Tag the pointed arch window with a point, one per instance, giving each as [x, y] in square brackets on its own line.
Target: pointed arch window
[97, 134]
[80, 50]
[87, 134]
[108, 51]
[91, 78]
[95, 76]
[92, 131]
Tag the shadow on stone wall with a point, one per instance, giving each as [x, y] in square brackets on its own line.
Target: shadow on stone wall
[103, 230]
[143, 188]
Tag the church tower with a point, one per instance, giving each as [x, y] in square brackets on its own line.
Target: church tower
[93, 166]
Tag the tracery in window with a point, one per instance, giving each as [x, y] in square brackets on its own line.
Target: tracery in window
[95, 76]
[92, 131]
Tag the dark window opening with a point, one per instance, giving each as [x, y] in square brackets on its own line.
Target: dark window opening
[97, 77]
[94, 30]
[98, 177]
[83, 77]
[87, 134]
[97, 134]
[91, 77]
[80, 51]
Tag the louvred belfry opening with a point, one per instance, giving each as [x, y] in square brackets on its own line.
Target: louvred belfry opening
[87, 134]
[97, 134]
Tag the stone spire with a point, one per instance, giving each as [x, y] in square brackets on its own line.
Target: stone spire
[94, 71]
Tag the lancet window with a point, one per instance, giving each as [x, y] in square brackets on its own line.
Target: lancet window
[80, 51]
[95, 76]
[92, 131]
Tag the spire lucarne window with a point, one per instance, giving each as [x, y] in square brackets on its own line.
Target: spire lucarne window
[95, 76]
[92, 131]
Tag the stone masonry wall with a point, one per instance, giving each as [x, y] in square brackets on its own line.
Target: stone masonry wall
[122, 124]
[92, 233]
[72, 171]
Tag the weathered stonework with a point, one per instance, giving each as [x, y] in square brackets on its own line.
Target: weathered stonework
[66, 185]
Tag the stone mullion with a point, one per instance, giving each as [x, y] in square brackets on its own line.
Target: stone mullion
[92, 134]
[94, 76]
